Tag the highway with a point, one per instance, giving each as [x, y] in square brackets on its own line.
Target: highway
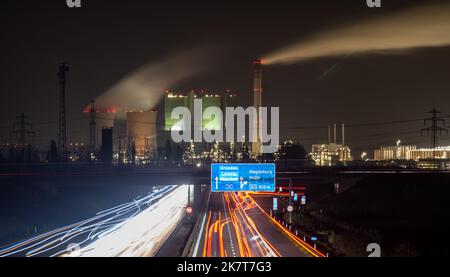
[136, 228]
[234, 225]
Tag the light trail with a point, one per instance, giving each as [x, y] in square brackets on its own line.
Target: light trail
[310, 249]
[197, 245]
[253, 235]
[137, 228]
[250, 242]
[205, 251]
[272, 194]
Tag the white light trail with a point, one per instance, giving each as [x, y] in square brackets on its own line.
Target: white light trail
[143, 234]
[137, 228]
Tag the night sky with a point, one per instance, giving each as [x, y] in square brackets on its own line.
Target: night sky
[106, 40]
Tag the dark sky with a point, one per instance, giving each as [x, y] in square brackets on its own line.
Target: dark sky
[105, 40]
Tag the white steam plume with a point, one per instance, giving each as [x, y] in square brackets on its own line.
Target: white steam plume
[425, 26]
[143, 88]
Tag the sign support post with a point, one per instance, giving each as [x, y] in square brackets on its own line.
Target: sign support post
[290, 200]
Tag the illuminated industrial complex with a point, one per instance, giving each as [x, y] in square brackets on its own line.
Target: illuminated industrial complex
[425, 158]
[136, 135]
[332, 153]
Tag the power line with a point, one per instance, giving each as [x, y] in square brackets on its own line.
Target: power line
[62, 130]
[22, 130]
[435, 130]
[381, 123]
[369, 124]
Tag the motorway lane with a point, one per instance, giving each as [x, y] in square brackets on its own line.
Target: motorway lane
[250, 241]
[236, 226]
[286, 243]
[285, 246]
[218, 238]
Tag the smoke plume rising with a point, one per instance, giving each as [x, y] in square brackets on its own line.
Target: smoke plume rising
[143, 88]
[425, 26]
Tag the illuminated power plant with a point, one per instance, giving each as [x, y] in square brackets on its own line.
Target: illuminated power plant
[331, 154]
[135, 138]
[135, 134]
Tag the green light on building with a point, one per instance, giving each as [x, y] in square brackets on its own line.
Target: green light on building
[172, 101]
[214, 123]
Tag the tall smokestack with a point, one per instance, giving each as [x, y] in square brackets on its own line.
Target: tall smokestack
[329, 134]
[335, 133]
[343, 134]
[257, 102]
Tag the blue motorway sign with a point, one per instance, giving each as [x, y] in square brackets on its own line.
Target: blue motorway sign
[242, 177]
[303, 201]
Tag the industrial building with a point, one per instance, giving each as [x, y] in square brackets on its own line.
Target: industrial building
[425, 158]
[410, 152]
[106, 152]
[397, 152]
[173, 100]
[142, 133]
[333, 153]
[434, 164]
[111, 136]
[135, 137]
[135, 134]
[104, 118]
[440, 153]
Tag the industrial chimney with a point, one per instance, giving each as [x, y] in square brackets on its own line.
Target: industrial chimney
[335, 141]
[329, 134]
[257, 102]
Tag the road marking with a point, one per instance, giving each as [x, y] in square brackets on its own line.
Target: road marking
[228, 227]
[197, 244]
